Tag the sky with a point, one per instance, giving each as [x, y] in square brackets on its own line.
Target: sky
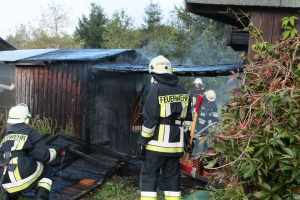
[16, 12]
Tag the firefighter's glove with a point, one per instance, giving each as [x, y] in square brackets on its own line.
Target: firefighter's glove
[189, 148]
[58, 148]
[140, 151]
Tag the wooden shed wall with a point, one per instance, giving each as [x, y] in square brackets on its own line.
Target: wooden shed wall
[109, 107]
[54, 91]
[269, 19]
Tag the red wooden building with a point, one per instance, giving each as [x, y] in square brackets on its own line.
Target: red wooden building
[266, 14]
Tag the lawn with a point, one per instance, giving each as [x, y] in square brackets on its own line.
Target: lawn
[117, 188]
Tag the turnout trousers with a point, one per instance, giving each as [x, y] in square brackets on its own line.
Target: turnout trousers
[171, 177]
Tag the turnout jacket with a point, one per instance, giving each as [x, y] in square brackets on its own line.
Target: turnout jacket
[165, 100]
[208, 112]
[28, 155]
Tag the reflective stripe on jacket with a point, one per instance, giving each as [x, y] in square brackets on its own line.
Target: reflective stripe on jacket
[165, 100]
[28, 168]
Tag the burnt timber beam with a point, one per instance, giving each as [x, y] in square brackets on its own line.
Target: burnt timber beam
[115, 154]
[83, 155]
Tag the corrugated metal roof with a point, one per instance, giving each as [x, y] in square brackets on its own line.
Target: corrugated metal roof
[15, 55]
[205, 70]
[49, 55]
[77, 54]
[108, 64]
[264, 3]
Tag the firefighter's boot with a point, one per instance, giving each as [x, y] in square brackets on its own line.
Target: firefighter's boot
[42, 194]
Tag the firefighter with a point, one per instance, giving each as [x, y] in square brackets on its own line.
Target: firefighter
[26, 155]
[208, 114]
[198, 89]
[166, 112]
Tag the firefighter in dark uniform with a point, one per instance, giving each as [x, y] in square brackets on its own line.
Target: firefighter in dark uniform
[198, 89]
[26, 156]
[166, 112]
[208, 114]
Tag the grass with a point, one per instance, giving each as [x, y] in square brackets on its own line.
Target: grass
[115, 188]
[120, 188]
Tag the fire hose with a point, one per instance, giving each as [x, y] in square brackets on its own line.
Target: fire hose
[205, 128]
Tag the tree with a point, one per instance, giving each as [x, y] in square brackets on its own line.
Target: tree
[120, 32]
[155, 34]
[50, 33]
[21, 38]
[153, 17]
[90, 30]
[54, 22]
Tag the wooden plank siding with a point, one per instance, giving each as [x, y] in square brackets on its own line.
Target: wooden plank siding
[110, 108]
[53, 92]
[269, 20]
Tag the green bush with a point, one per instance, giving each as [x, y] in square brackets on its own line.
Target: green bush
[258, 142]
[44, 126]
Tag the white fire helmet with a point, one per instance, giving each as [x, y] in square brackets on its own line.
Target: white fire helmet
[198, 81]
[211, 95]
[18, 114]
[160, 65]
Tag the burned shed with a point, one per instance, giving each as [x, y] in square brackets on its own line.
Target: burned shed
[264, 14]
[99, 91]
[64, 85]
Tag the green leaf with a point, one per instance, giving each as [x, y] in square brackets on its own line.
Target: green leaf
[249, 172]
[294, 17]
[276, 197]
[281, 94]
[286, 156]
[211, 163]
[293, 34]
[268, 152]
[260, 151]
[277, 186]
[219, 148]
[227, 115]
[244, 165]
[286, 161]
[287, 27]
[296, 112]
[295, 174]
[261, 194]
[295, 162]
[285, 34]
[265, 186]
[272, 163]
[285, 168]
[288, 151]
[296, 197]
[292, 21]
[285, 115]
